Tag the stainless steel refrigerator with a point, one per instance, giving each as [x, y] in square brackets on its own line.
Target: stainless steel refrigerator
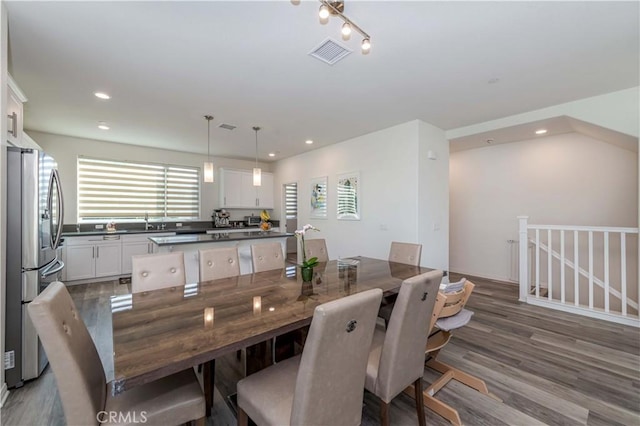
[35, 211]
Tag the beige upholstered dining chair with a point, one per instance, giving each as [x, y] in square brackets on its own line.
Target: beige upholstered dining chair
[323, 386]
[154, 271]
[266, 257]
[405, 253]
[84, 393]
[218, 263]
[316, 248]
[397, 353]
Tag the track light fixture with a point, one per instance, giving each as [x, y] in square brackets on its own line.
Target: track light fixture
[336, 8]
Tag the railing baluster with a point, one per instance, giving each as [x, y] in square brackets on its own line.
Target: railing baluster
[549, 265]
[606, 271]
[562, 267]
[576, 270]
[590, 269]
[623, 272]
[537, 263]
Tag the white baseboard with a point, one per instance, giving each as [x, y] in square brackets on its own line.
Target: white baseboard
[505, 280]
[4, 393]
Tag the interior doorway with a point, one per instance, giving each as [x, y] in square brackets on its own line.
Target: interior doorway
[290, 197]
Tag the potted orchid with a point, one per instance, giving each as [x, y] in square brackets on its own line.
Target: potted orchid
[306, 267]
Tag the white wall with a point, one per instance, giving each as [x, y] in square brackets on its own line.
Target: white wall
[66, 149]
[433, 195]
[389, 166]
[567, 179]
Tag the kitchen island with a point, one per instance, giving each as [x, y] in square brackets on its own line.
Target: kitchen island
[190, 244]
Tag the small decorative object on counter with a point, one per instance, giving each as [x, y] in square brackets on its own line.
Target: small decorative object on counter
[265, 225]
[111, 227]
[306, 267]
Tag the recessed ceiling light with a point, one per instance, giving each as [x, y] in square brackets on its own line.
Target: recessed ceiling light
[272, 154]
[541, 131]
[102, 95]
[308, 142]
[103, 126]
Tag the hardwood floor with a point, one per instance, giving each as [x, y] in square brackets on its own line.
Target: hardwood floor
[548, 367]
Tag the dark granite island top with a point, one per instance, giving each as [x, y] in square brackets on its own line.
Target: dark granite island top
[219, 237]
[191, 244]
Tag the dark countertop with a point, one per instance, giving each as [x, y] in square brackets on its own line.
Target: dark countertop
[180, 231]
[212, 238]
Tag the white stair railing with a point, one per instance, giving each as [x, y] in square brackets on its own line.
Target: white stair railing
[556, 298]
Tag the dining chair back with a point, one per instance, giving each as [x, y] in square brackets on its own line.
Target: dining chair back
[397, 356]
[218, 263]
[405, 253]
[72, 354]
[323, 386]
[80, 376]
[155, 271]
[266, 257]
[316, 247]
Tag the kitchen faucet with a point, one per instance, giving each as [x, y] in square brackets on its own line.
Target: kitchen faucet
[147, 225]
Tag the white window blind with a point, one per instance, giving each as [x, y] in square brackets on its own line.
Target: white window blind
[125, 190]
[291, 200]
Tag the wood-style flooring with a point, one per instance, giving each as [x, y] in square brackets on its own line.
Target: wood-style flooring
[548, 367]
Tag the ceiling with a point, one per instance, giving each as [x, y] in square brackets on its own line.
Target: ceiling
[167, 64]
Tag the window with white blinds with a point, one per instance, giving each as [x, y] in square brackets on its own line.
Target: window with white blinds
[126, 190]
[291, 200]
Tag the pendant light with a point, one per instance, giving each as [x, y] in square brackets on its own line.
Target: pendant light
[208, 165]
[257, 173]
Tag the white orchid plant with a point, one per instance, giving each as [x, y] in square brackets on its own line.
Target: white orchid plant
[306, 263]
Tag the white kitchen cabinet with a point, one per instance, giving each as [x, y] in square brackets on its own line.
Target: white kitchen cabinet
[80, 263]
[108, 261]
[231, 188]
[237, 190]
[133, 245]
[265, 192]
[15, 100]
[93, 256]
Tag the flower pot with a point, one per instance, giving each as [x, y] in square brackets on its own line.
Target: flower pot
[307, 274]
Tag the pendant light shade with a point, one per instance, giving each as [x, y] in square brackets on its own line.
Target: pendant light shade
[257, 172]
[208, 175]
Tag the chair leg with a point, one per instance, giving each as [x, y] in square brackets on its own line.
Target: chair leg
[384, 413]
[442, 409]
[243, 419]
[419, 401]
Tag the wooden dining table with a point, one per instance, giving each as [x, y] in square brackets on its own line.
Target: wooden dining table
[161, 332]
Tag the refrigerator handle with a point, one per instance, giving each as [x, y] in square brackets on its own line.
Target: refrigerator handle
[55, 267]
[55, 179]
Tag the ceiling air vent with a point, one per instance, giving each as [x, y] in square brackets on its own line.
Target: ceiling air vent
[227, 126]
[330, 51]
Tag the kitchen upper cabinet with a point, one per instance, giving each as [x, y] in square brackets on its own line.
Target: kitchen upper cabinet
[237, 190]
[15, 99]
